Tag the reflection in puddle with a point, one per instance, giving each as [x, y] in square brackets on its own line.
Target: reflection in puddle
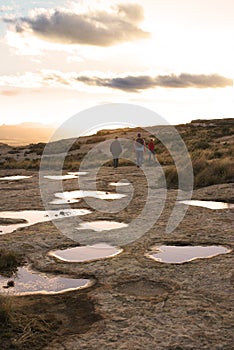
[64, 201]
[209, 204]
[181, 254]
[94, 194]
[60, 177]
[77, 173]
[120, 183]
[68, 176]
[86, 253]
[16, 177]
[35, 216]
[101, 225]
[28, 282]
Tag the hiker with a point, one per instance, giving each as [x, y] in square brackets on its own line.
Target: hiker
[116, 150]
[139, 146]
[152, 152]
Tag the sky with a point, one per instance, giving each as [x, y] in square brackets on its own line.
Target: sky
[61, 57]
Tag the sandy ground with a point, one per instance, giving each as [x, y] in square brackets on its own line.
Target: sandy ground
[135, 301]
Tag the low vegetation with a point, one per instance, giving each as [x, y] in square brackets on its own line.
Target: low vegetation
[210, 145]
[31, 322]
[9, 261]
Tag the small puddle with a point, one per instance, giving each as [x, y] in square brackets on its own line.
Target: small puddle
[77, 173]
[82, 194]
[60, 177]
[27, 281]
[16, 177]
[35, 216]
[209, 204]
[101, 225]
[64, 201]
[120, 183]
[180, 254]
[86, 253]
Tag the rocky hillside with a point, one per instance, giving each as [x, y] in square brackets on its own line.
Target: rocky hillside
[210, 144]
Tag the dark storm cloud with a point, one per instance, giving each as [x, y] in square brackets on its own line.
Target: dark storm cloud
[136, 83]
[98, 28]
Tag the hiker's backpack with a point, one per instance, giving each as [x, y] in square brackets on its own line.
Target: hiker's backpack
[140, 140]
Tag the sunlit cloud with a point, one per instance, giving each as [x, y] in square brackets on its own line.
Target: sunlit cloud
[28, 45]
[136, 83]
[43, 78]
[4, 8]
[99, 28]
[130, 83]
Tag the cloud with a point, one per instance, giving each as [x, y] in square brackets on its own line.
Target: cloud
[99, 28]
[4, 8]
[136, 83]
[34, 80]
[58, 79]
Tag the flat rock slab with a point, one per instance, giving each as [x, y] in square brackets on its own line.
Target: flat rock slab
[145, 289]
[10, 221]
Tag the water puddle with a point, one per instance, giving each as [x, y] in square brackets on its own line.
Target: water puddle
[35, 216]
[101, 225]
[180, 254]
[209, 204]
[77, 173]
[82, 194]
[60, 177]
[120, 183]
[16, 177]
[86, 253]
[68, 176]
[26, 281]
[64, 201]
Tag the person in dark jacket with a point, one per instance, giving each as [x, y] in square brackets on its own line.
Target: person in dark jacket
[116, 150]
[139, 146]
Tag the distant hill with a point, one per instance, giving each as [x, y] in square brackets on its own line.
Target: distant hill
[25, 133]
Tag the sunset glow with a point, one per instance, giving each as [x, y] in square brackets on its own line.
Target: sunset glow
[61, 57]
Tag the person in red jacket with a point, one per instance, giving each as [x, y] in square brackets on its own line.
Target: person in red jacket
[151, 148]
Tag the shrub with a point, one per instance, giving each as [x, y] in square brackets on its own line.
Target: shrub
[13, 151]
[103, 132]
[200, 144]
[216, 172]
[5, 310]
[95, 139]
[171, 176]
[9, 260]
[199, 165]
[37, 148]
[75, 146]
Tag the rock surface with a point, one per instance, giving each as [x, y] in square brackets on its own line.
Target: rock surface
[141, 303]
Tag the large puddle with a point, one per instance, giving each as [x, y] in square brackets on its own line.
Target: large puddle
[101, 225]
[181, 254]
[28, 282]
[82, 194]
[86, 253]
[35, 216]
[16, 177]
[209, 204]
